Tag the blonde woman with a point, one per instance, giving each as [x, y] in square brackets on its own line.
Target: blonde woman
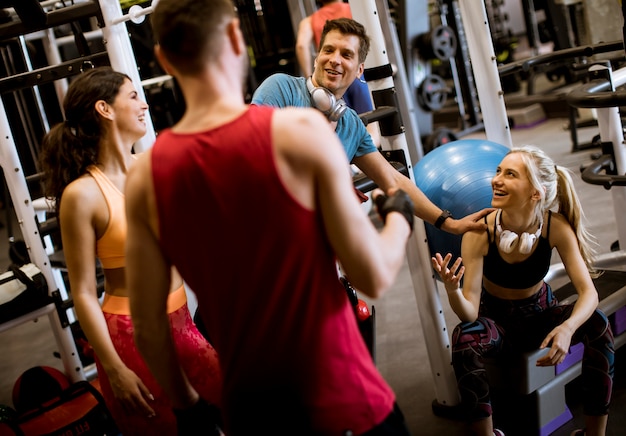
[505, 304]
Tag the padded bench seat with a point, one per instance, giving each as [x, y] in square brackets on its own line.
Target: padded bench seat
[530, 400]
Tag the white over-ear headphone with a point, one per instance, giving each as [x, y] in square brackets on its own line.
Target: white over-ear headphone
[325, 101]
[509, 240]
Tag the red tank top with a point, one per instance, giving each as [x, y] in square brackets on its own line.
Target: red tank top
[325, 13]
[265, 278]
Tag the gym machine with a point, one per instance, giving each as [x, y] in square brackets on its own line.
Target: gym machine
[393, 99]
[579, 58]
[449, 46]
[445, 44]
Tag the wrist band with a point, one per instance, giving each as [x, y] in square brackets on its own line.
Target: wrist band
[399, 202]
[444, 216]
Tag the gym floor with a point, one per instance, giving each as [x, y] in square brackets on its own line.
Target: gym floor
[401, 354]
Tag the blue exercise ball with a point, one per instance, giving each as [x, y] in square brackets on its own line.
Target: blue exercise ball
[457, 176]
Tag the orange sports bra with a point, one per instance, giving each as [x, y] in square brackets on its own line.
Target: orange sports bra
[110, 248]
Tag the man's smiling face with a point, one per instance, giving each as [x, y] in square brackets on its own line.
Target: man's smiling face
[337, 64]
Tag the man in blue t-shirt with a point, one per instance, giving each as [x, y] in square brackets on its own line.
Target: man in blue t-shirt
[281, 90]
[343, 49]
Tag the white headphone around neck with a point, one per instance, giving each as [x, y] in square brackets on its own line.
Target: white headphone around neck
[325, 101]
[509, 240]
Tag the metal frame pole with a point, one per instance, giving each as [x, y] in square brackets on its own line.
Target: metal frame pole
[25, 212]
[418, 253]
[54, 58]
[484, 64]
[611, 130]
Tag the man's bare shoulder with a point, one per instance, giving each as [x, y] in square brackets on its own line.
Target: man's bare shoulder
[304, 134]
[294, 118]
[302, 126]
[305, 25]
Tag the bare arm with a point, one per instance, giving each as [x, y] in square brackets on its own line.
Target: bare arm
[304, 42]
[78, 214]
[374, 130]
[148, 276]
[464, 302]
[387, 177]
[313, 165]
[559, 339]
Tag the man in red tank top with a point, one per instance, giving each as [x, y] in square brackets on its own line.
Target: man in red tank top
[310, 31]
[357, 96]
[264, 207]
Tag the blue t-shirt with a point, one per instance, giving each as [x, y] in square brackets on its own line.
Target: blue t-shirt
[283, 90]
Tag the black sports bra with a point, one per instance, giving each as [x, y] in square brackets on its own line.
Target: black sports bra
[520, 275]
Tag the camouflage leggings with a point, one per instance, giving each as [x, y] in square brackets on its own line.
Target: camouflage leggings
[504, 326]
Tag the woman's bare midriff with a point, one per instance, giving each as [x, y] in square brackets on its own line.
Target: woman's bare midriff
[115, 282]
[509, 293]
